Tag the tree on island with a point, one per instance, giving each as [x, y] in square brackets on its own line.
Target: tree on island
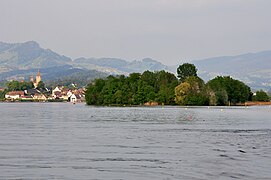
[191, 92]
[41, 86]
[229, 90]
[185, 70]
[261, 96]
[136, 89]
[164, 88]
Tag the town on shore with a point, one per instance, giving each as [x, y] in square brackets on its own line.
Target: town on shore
[147, 88]
[36, 91]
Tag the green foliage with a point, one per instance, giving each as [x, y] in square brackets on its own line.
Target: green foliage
[228, 89]
[163, 88]
[2, 94]
[191, 92]
[261, 96]
[41, 85]
[19, 86]
[198, 99]
[221, 97]
[136, 89]
[185, 70]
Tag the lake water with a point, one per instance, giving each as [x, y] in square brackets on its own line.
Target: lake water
[66, 141]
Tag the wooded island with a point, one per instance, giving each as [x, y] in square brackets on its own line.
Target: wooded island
[165, 88]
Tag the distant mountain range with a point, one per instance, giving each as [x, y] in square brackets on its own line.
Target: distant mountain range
[120, 66]
[19, 60]
[252, 68]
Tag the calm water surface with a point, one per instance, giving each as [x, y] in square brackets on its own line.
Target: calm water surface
[65, 141]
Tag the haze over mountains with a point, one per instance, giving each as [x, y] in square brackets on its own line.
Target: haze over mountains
[19, 60]
[252, 68]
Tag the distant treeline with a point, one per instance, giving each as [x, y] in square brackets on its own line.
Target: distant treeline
[166, 89]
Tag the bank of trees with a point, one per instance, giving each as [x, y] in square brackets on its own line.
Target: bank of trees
[136, 89]
[261, 96]
[19, 86]
[222, 90]
[165, 88]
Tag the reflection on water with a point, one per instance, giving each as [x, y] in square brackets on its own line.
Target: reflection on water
[65, 141]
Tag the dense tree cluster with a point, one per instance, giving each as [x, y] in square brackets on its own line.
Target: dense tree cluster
[19, 86]
[135, 89]
[164, 88]
[261, 96]
[191, 92]
[2, 94]
[15, 86]
[218, 91]
[228, 90]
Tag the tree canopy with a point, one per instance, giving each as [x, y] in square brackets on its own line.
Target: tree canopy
[227, 89]
[185, 70]
[261, 96]
[191, 92]
[41, 85]
[135, 89]
[164, 88]
[19, 86]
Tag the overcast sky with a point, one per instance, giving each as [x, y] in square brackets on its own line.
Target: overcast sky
[170, 31]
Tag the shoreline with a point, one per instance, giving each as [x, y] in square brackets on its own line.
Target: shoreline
[125, 105]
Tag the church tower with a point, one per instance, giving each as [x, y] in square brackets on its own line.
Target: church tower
[38, 79]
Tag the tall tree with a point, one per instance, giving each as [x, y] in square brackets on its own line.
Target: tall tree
[185, 70]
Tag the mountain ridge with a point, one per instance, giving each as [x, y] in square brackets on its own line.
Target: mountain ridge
[20, 59]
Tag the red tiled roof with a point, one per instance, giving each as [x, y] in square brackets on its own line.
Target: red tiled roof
[13, 93]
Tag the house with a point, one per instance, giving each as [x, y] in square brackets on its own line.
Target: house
[69, 94]
[57, 95]
[66, 93]
[14, 95]
[31, 92]
[40, 97]
[75, 98]
[57, 89]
